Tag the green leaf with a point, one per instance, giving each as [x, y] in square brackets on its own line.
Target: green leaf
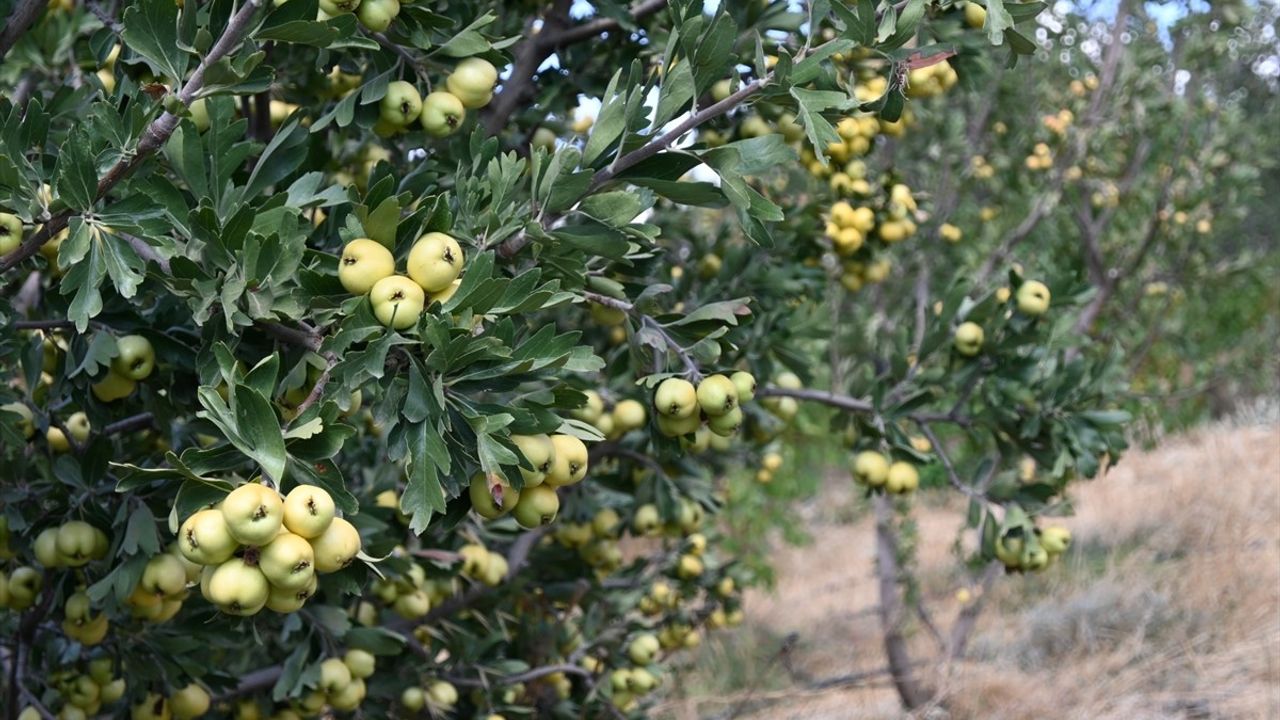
[259, 429]
[610, 122]
[151, 30]
[75, 177]
[674, 95]
[810, 106]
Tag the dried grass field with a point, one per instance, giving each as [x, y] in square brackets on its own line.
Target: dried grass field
[1167, 606]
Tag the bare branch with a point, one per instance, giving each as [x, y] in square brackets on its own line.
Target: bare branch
[24, 13]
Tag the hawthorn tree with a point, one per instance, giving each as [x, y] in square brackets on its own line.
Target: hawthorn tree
[348, 368]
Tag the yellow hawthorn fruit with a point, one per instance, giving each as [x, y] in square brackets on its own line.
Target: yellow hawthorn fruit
[968, 339]
[1032, 298]
[237, 588]
[190, 702]
[397, 301]
[205, 538]
[902, 478]
[472, 82]
[539, 451]
[442, 114]
[676, 398]
[288, 561]
[491, 496]
[336, 547]
[254, 513]
[717, 396]
[870, 468]
[569, 465]
[363, 263]
[435, 261]
[308, 511]
[975, 16]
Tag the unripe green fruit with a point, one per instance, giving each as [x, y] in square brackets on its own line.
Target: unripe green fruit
[491, 496]
[308, 511]
[538, 506]
[360, 662]
[442, 114]
[569, 464]
[676, 398]
[205, 538]
[413, 699]
[254, 514]
[401, 105]
[397, 302]
[745, 383]
[136, 359]
[190, 702]
[363, 263]
[726, 424]
[10, 233]
[288, 561]
[112, 691]
[152, 707]
[337, 547]
[717, 395]
[75, 542]
[164, 575]
[26, 420]
[442, 694]
[788, 381]
[412, 605]
[592, 410]
[643, 649]
[113, 387]
[435, 261]
[1055, 539]
[968, 339]
[378, 14]
[540, 452]
[349, 697]
[45, 548]
[646, 520]
[334, 675]
[678, 427]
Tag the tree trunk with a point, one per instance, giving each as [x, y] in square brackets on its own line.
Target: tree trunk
[911, 692]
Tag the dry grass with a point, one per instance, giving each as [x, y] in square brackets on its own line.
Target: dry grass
[1167, 607]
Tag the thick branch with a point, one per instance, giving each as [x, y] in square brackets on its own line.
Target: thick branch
[852, 404]
[18, 23]
[129, 424]
[912, 694]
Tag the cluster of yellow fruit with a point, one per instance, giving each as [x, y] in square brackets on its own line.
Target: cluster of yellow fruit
[438, 695]
[555, 461]
[770, 463]
[410, 595]
[625, 415]
[1021, 554]
[1180, 217]
[84, 694]
[874, 470]
[784, 407]
[1080, 88]
[1041, 158]
[596, 541]
[285, 542]
[931, 81]
[434, 264]
[483, 565]
[681, 408]
[71, 544]
[980, 168]
[1059, 122]
[1032, 300]
[341, 686]
[469, 87]
[162, 588]
[134, 363]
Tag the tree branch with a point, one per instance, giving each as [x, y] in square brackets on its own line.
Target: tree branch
[852, 404]
[24, 13]
[152, 138]
[910, 691]
[129, 424]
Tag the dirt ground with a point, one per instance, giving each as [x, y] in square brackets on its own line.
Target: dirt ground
[1167, 606]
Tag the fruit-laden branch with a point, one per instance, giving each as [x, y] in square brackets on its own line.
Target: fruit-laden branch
[690, 366]
[152, 138]
[952, 476]
[18, 23]
[517, 558]
[556, 32]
